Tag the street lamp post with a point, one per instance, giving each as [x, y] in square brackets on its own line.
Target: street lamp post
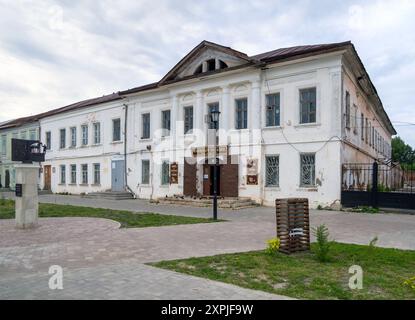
[215, 120]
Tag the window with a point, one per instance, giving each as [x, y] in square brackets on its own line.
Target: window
[272, 165]
[367, 130]
[48, 140]
[188, 119]
[116, 130]
[84, 174]
[373, 137]
[145, 171]
[146, 126]
[165, 173]
[212, 107]
[308, 105]
[84, 129]
[97, 173]
[362, 126]
[370, 133]
[165, 122]
[347, 112]
[63, 174]
[211, 64]
[73, 137]
[32, 135]
[97, 132]
[307, 170]
[3, 145]
[354, 119]
[73, 173]
[241, 114]
[62, 144]
[273, 110]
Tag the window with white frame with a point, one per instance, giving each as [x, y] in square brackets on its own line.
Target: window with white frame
[84, 171]
[62, 143]
[347, 111]
[362, 126]
[73, 173]
[116, 130]
[145, 171]
[241, 113]
[308, 105]
[272, 165]
[48, 140]
[165, 173]
[97, 173]
[165, 122]
[97, 132]
[307, 170]
[33, 134]
[145, 120]
[63, 174]
[188, 119]
[73, 137]
[273, 110]
[84, 129]
[3, 145]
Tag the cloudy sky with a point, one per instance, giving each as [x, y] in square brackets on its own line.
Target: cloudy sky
[53, 53]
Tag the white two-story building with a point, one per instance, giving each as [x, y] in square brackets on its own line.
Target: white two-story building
[289, 120]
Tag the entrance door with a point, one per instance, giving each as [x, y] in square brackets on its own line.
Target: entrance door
[117, 175]
[189, 184]
[47, 177]
[208, 174]
[7, 179]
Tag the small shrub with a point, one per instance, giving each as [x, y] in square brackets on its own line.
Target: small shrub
[410, 283]
[323, 244]
[273, 245]
[319, 207]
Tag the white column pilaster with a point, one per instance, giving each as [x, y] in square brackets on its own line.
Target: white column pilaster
[255, 107]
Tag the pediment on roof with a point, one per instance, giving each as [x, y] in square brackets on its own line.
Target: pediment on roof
[206, 57]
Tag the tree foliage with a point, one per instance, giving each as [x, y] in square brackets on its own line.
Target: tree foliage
[402, 152]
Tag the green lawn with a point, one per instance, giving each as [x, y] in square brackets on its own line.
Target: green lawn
[126, 218]
[302, 276]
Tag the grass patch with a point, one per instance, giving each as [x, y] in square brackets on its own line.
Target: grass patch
[303, 276]
[127, 219]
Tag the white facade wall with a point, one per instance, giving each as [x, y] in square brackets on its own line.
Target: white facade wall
[327, 138]
[102, 153]
[287, 140]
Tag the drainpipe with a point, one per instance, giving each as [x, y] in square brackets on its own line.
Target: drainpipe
[127, 187]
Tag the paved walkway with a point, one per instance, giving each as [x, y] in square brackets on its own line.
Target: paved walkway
[102, 261]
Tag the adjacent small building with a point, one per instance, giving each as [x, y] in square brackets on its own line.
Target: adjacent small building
[22, 128]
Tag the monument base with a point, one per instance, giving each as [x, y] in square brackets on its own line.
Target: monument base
[27, 201]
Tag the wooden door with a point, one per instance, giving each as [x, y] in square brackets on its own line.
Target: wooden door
[47, 177]
[189, 178]
[229, 179]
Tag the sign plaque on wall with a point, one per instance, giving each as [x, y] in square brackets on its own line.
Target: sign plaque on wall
[174, 173]
[252, 172]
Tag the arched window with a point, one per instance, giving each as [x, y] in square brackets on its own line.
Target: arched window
[210, 66]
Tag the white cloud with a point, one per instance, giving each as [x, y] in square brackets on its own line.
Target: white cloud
[54, 53]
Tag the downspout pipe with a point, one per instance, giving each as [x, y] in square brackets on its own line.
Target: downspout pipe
[127, 187]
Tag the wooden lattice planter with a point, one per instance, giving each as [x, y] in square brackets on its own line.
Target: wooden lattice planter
[293, 224]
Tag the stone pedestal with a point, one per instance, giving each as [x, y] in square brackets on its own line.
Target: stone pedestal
[28, 204]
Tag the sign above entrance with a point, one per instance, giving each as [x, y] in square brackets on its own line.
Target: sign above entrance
[209, 151]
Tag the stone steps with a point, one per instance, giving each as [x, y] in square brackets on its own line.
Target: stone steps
[229, 203]
[110, 195]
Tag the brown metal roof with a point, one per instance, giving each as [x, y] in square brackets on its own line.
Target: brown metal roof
[297, 50]
[75, 106]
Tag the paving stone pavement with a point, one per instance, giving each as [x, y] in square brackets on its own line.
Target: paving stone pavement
[99, 258]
